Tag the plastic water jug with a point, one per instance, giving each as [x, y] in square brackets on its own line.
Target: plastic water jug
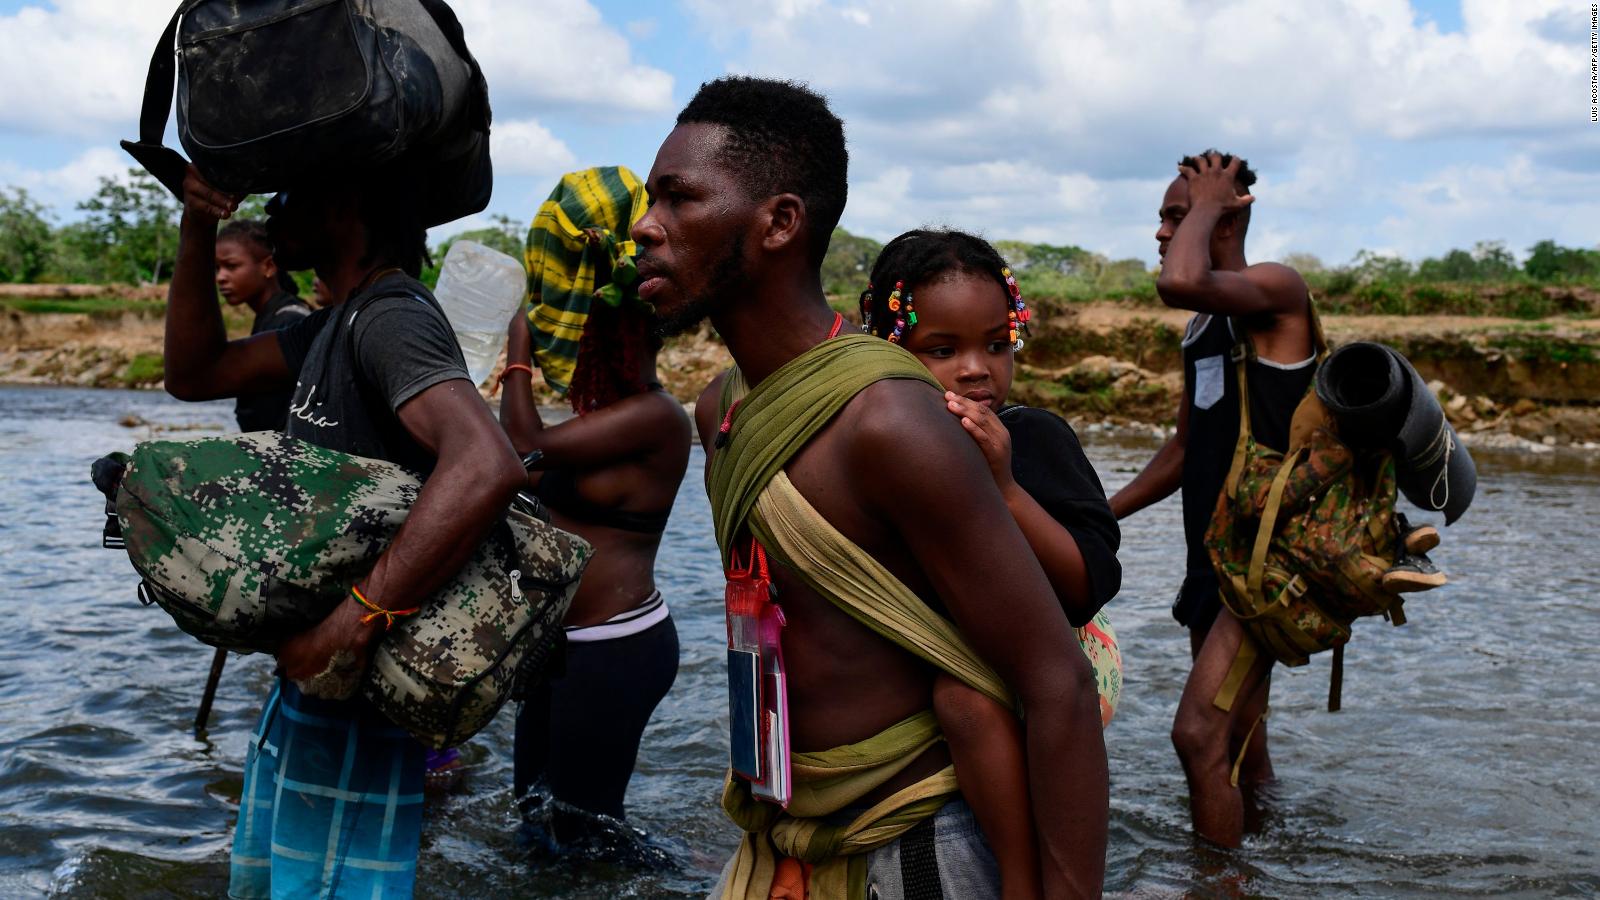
[479, 288]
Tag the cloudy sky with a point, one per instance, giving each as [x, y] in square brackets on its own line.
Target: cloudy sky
[1381, 124]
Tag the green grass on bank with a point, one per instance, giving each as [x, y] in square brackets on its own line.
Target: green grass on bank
[1486, 281]
[1337, 294]
[111, 309]
[1511, 299]
[92, 306]
[1049, 290]
[144, 368]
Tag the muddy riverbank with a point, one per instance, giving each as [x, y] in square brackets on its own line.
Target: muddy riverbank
[1508, 382]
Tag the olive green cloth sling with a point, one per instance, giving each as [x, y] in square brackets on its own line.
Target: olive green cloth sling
[748, 488]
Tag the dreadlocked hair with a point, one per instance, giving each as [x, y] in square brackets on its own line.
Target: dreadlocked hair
[252, 233]
[615, 343]
[925, 256]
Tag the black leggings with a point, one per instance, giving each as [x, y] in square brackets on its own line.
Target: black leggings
[579, 732]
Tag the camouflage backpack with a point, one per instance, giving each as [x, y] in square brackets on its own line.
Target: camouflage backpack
[249, 539]
[1300, 540]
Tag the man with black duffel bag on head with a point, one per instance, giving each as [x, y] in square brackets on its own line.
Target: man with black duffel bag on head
[276, 92]
[332, 799]
[370, 118]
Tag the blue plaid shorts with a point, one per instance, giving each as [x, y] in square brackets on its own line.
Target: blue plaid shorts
[332, 803]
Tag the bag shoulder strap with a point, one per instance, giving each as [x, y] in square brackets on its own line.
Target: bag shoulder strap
[357, 305]
[1308, 415]
[165, 163]
[1243, 351]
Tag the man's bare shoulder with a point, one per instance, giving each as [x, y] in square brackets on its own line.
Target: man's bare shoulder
[892, 411]
[1277, 278]
[898, 439]
[705, 409]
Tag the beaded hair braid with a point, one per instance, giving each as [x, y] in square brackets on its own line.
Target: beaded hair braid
[921, 256]
[901, 312]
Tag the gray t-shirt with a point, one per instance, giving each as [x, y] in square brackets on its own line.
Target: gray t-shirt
[270, 410]
[359, 362]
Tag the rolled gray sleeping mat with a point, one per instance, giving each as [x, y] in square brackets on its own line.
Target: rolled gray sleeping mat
[1380, 402]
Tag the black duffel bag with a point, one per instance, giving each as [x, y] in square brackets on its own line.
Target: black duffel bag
[274, 92]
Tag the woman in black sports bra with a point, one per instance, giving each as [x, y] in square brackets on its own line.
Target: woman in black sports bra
[610, 475]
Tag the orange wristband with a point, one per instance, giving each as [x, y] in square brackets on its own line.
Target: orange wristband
[509, 369]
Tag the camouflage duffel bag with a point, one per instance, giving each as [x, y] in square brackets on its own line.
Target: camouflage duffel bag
[250, 539]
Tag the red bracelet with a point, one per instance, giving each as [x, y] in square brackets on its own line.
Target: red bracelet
[389, 615]
[508, 370]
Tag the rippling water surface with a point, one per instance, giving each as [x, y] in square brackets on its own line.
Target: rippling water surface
[1465, 760]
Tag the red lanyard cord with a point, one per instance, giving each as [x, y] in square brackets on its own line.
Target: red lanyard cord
[724, 431]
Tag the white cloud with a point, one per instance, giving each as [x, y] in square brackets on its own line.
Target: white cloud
[524, 147]
[72, 181]
[1053, 120]
[878, 205]
[559, 54]
[1514, 201]
[77, 67]
[960, 76]
[1062, 119]
[1006, 199]
[729, 19]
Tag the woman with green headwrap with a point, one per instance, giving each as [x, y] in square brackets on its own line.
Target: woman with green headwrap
[609, 474]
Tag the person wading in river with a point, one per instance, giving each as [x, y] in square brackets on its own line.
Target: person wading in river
[609, 475]
[332, 799]
[841, 460]
[1204, 217]
[248, 275]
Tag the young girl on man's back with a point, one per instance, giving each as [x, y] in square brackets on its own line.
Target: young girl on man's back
[949, 299]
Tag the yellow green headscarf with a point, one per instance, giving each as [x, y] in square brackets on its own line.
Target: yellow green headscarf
[582, 230]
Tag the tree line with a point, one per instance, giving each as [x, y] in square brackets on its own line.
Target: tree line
[127, 234]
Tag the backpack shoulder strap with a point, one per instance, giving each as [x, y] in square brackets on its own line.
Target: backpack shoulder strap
[359, 303]
[1243, 351]
[1309, 415]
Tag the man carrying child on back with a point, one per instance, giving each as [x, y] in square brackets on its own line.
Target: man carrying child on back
[332, 800]
[836, 456]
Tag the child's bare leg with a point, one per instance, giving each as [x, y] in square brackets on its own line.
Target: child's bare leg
[986, 744]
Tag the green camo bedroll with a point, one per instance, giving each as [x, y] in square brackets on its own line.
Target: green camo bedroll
[248, 539]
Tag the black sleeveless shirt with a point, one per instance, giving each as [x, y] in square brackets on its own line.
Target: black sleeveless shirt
[1212, 388]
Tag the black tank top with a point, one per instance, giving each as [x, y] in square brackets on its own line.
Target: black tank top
[1213, 393]
[558, 488]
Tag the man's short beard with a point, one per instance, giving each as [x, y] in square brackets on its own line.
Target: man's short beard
[686, 319]
[726, 280]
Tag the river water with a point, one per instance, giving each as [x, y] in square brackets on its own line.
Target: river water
[1464, 762]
